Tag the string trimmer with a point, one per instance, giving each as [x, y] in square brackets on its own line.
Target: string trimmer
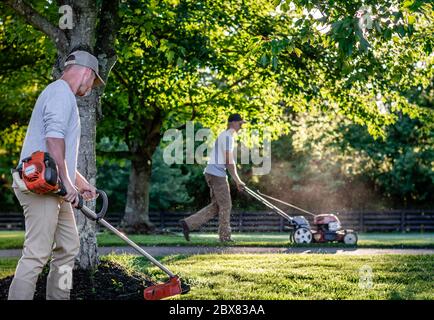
[38, 173]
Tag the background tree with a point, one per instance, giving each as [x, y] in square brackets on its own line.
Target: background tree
[24, 53]
[262, 62]
[202, 69]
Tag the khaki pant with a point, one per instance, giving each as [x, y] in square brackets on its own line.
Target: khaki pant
[221, 204]
[51, 232]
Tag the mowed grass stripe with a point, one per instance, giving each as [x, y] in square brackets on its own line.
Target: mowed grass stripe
[14, 240]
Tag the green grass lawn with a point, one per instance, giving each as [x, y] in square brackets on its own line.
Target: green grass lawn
[14, 240]
[7, 266]
[290, 276]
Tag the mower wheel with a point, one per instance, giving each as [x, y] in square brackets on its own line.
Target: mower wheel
[350, 238]
[302, 235]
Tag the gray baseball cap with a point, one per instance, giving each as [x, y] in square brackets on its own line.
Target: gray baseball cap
[85, 59]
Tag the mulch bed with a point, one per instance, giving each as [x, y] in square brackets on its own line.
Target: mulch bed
[109, 282]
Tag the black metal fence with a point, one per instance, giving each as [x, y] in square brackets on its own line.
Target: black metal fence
[264, 221]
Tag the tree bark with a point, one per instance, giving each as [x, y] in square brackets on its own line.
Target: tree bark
[84, 34]
[136, 217]
[87, 257]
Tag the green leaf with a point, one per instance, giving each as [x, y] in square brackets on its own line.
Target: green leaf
[298, 52]
[274, 62]
[407, 3]
[170, 55]
[264, 60]
[138, 52]
[411, 19]
[276, 2]
[179, 62]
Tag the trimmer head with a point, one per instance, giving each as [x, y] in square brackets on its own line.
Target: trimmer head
[170, 288]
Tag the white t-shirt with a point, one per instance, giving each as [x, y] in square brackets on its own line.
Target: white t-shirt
[217, 161]
[55, 115]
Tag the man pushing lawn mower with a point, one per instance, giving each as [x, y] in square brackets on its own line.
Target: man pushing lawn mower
[221, 159]
[49, 219]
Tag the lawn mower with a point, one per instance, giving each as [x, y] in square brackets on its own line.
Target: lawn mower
[327, 227]
[38, 173]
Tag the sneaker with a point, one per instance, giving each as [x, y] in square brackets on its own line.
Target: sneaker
[185, 229]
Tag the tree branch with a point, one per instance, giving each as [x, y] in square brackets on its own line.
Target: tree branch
[226, 89]
[40, 23]
[106, 36]
[121, 78]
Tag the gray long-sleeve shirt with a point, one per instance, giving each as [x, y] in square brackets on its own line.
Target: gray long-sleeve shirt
[55, 115]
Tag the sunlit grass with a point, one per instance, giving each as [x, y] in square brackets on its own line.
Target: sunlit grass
[7, 266]
[11, 239]
[14, 239]
[289, 276]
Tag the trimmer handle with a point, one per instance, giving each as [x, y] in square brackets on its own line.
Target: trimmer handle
[104, 208]
[88, 213]
[62, 192]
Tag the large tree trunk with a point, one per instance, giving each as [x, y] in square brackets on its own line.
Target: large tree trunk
[136, 218]
[83, 34]
[87, 257]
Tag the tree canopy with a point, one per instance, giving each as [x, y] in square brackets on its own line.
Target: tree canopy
[368, 62]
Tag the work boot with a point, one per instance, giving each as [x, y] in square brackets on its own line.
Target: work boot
[185, 229]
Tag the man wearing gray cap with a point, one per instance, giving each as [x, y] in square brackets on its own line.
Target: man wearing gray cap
[221, 160]
[51, 231]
